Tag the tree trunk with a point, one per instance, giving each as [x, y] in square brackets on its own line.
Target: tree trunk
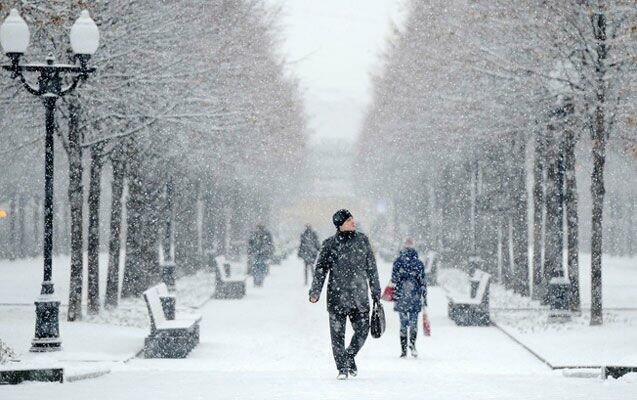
[134, 280]
[76, 200]
[473, 209]
[141, 268]
[632, 229]
[554, 235]
[168, 221]
[22, 211]
[66, 220]
[199, 221]
[151, 226]
[93, 239]
[505, 267]
[572, 220]
[600, 138]
[207, 225]
[597, 192]
[423, 216]
[539, 167]
[520, 237]
[4, 238]
[12, 228]
[434, 216]
[504, 197]
[114, 245]
[490, 207]
[185, 226]
[237, 240]
[222, 228]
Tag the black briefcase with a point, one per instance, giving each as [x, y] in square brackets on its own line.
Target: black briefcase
[377, 323]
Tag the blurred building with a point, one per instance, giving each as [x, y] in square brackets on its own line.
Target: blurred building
[330, 186]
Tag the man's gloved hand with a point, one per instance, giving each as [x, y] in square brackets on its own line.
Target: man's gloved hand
[314, 298]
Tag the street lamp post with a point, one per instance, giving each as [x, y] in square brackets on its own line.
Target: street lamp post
[14, 37]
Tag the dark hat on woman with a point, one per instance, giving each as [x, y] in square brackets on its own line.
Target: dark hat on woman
[340, 217]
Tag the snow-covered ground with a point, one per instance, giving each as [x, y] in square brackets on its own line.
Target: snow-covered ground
[274, 344]
[574, 343]
[22, 279]
[113, 336]
[619, 281]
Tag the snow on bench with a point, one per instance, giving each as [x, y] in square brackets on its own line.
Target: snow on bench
[472, 310]
[169, 338]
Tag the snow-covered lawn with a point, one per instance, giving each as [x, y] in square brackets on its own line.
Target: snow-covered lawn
[619, 281]
[274, 344]
[22, 279]
[80, 340]
[111, 336]
[575, 343]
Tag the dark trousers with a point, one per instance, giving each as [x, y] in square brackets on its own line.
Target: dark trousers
[360, 323]
[408, 320]
[309, 271]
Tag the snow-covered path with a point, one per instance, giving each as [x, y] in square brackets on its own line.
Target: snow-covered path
[274, 344]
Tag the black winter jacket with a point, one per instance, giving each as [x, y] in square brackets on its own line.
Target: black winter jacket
[350, 262]
[310, 245]
[408, 275]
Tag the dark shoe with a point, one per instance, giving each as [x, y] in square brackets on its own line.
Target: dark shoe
[403, 346]
[352, 369]
[342, 375]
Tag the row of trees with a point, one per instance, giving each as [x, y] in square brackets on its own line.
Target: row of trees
[191, 127]
[485, 111]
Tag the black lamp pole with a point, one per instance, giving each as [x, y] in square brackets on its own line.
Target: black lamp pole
[50, 89]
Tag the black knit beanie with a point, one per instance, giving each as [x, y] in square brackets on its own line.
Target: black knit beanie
[340, 217]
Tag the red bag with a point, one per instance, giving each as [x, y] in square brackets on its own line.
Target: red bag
[388, 293]
[426, 325]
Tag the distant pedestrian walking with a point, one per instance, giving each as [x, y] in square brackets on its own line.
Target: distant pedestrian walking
[260, 253]
[410, 294]
[348, 259]
[308, 250]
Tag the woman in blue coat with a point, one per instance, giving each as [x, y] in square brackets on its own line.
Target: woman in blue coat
[410, 294]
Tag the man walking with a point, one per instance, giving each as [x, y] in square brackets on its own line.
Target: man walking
[347, 257]
[308, 250]
[260, 253]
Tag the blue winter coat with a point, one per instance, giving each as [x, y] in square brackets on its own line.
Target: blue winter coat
[408, 275]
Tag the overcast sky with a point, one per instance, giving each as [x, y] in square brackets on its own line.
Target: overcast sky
[333, 45]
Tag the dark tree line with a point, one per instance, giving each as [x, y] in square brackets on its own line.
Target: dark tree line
[488, 116]
[187, 134]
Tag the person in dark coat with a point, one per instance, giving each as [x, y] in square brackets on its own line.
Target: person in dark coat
[348, 259]
[308, 250]
[260, 253]
[410, 294]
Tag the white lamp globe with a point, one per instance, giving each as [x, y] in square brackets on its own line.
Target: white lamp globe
[14, 33]
[85, 37]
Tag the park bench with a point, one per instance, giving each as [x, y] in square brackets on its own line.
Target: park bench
[226, 285]
[472, 310]
[169, 338]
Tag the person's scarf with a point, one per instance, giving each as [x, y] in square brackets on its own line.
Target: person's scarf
[344, 236]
